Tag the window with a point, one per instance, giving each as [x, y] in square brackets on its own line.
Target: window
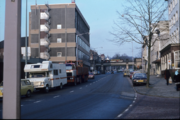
[60, 71]
[59, 26]
[59, 40]
[177, 36]
[59, 54]
[55, 72]
[27, 82]
[177, 59]
[177, 16]
[173, 3]
[22, 83]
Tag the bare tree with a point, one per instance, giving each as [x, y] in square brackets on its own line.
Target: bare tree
[139, 20]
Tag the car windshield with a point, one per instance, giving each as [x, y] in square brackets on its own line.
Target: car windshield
[90, 73]
[37, 75]
[139, 75]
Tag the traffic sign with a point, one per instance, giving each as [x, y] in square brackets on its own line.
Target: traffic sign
[169, 62]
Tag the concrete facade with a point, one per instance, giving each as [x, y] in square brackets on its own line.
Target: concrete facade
[174, 20]
[55, 31]
[159, 40]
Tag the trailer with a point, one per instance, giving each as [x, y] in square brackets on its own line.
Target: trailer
[76, 73]
[46, 75]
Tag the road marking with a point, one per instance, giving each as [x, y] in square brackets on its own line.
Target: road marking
[29, 100]
[130, 106]
[133, 101]
[126, 110]
[37, 101]
[56, 96]
[71, 91]
[22, 105]
[119, 115]
[80, 88]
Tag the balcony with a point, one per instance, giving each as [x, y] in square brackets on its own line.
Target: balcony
[44, 55]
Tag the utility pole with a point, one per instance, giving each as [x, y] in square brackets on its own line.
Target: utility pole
[26, 42]
[12, 51]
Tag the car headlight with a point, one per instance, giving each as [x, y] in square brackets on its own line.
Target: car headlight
[42, 84]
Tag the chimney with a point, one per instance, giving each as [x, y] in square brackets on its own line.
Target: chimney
[73, 1]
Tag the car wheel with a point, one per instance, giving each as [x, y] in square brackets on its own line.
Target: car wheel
[28, 94]
[46, 89]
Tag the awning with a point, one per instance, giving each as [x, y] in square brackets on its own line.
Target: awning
[157, 61]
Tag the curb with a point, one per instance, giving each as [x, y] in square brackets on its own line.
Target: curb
[119, 116]
[156, 95]
[151, 95]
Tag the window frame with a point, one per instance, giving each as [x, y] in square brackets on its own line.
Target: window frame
[59, 39]
[55, 72]
[176, 60]
[59, 52]
[59, 27]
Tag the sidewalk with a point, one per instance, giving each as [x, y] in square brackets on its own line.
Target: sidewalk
[158, 88]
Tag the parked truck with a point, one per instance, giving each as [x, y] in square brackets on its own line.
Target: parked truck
[76, 72]
[46, 75]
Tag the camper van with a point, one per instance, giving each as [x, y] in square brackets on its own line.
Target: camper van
[46, 75]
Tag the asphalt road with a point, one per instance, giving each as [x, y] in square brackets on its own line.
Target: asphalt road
[104, 97]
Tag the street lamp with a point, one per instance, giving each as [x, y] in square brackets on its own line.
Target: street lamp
[77, 55]
[141, 33]
[26, 42]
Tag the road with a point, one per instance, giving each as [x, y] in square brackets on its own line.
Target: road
[104, 97]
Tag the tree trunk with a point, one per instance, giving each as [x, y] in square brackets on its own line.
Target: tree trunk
[149, 55]
[148, 77]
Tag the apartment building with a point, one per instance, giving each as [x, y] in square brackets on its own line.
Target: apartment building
[174, 20]
[59, 32]
[170, 51]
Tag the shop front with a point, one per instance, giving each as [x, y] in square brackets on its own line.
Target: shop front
[170, 58]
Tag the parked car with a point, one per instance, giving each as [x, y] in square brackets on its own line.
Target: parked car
[26, 88]
[98, 72]
[136, 72]
[126, 72]
[95, 72]
[91, 75]
[139, 78]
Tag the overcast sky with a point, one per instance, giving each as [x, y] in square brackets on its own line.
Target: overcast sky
[99, 14]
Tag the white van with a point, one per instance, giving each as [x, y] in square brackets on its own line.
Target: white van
[46, 75]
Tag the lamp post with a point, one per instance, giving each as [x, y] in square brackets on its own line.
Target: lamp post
[77, 53]
[141, 33]
[26, 42]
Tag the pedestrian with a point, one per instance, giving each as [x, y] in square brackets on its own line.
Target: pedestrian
[177, 76]
[167, 76]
